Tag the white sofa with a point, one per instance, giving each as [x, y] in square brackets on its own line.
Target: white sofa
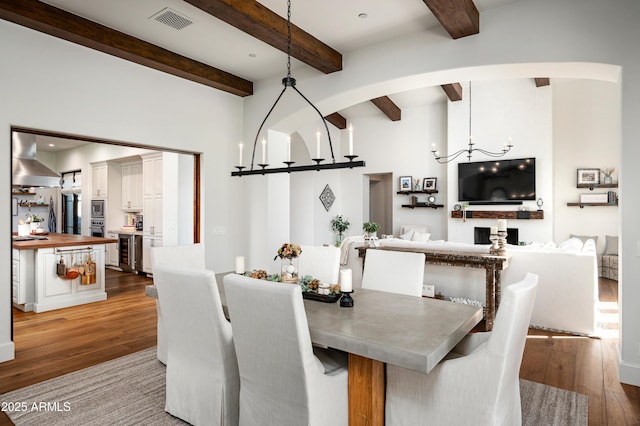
[567, 297]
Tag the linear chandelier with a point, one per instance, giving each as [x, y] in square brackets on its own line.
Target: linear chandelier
[287, 82]
[471, 148]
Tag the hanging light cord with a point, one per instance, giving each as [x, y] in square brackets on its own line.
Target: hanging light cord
[289, 81]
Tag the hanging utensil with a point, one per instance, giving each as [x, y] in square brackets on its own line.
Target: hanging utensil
[90, 270]
[72, 271]
[61, 268]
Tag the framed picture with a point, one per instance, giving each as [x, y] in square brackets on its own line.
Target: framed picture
[405, 183]
[588, 176]
[14, 206]
[429, 184]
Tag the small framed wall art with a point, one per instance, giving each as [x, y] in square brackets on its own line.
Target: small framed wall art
[429, 184]
[405, 183]
[588, 176]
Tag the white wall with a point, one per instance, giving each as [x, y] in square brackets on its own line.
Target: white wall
[88, 93]
[586, 134]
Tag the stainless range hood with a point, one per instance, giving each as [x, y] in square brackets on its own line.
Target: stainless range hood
[27, 171]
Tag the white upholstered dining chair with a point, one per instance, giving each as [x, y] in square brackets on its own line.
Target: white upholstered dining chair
[283, 379]
[478, 383]
[202, 379]
[394, 272]
[187, 256]
[321, 262]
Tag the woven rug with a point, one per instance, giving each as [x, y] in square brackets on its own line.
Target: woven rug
[130, 391]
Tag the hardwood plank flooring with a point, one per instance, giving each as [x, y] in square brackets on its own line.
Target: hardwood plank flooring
[54, 343]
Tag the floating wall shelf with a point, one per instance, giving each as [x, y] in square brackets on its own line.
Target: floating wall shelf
[433, 206]
[581, 205]
[499, 214]
[416, 192]
[597, 185]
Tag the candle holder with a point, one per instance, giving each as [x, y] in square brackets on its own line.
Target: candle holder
[318, 160]
[264, 166]
[350, 157]
[240, 168]
[502, 243]
[346, 301]
[494, 243]
[288, 163]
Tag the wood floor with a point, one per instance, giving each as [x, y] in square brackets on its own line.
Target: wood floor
[54, 343]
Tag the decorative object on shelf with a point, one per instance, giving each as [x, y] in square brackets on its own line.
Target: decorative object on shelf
[405, 183]
[471, 148]
[539, 202]
[416, 184]
[289, 253]
[371, 228]
[457, 207]
[493, 237]
[327, 197]
[429, 184]
[588, 176]
[608, 171]
[287, 82]
[502, 237]
[339, 225]
[431, 199]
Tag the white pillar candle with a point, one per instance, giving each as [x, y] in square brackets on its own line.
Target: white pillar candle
[350, 139]
[345, 280]
[318, 143]
[494, 230]
[264, 151]
[240, 155]
[288, 148]
[239, 264]
[502, 225]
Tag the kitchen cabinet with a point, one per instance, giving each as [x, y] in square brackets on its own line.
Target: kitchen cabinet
[132, 187]
[152, 195]
[99, 180]
[147, 243]
[23, 262]
[112, 251]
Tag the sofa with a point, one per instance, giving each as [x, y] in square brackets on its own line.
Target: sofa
[567, 298]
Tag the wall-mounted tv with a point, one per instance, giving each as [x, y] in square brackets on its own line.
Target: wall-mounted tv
[497, 181]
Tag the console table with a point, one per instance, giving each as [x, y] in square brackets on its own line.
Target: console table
[493, 265]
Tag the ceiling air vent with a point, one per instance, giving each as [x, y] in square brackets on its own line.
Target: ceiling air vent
[172, 18]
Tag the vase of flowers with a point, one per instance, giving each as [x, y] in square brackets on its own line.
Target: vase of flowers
[288, 253]
[607, 175]
[339, 225]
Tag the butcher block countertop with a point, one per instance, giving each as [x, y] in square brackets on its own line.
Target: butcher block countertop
[59, 240]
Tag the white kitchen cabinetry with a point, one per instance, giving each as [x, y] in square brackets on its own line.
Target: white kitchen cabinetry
[99, 180]
[147, 243]
[152, 195]
[23, 262]
[112, 251]
[132, 187]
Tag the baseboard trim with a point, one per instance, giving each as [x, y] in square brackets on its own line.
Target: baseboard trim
[628, 373]
[7, 351]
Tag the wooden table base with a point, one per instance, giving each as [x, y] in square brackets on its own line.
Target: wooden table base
[366, 391]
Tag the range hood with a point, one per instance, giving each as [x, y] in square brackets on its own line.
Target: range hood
[27, 171]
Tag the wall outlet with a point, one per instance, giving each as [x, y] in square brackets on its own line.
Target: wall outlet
[428, 290]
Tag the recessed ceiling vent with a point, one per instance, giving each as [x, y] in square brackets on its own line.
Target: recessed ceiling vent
[172, 18]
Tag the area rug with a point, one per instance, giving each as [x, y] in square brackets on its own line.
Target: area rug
[130, 391]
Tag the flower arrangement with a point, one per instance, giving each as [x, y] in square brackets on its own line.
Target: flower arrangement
[339, 224]
[288, 251]
[608, 171]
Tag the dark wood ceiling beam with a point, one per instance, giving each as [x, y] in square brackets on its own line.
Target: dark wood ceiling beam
[267, 26]
[459, 17]
[453, 91]
[542, 82]
[388, 107]
[59, 23]
[337, 120]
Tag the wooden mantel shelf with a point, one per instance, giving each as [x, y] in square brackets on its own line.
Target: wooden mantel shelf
[499, 214]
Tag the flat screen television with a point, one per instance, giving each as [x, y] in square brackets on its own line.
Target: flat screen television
[497, 181]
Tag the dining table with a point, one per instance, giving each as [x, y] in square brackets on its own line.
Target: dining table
[383, 328]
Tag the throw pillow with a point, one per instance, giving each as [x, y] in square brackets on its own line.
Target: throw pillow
[571, 244]
[421, 237]
[585, 238]
[611, 246]
[407, 235]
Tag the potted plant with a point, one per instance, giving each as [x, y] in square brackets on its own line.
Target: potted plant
[339, 225]
[371, 228]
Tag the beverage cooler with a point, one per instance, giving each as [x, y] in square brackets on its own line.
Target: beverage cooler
[130, 252]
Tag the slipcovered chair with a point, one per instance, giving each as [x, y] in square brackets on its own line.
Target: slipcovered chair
[283, 380]
[202, 371]
[478, 383]
[188, 256]
[394, 272]
[320, 262]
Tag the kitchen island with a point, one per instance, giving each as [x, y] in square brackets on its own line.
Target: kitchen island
[39, 280]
